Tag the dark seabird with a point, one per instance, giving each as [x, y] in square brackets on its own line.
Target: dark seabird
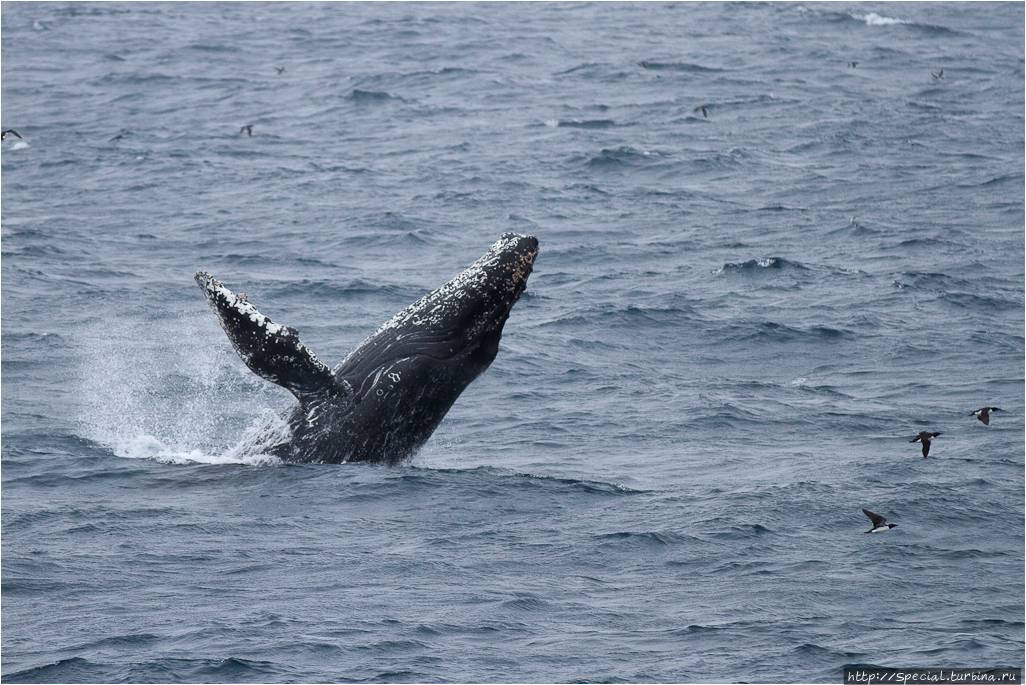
[247, 129]
[852, 65]
[121, 134]
[280, 70]
[3, 134]
[983, 414]
[703, 109]
[937, 75]
[880, 524]
[925, 437]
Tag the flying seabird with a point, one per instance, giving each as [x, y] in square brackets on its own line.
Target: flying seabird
[937, 75]
[880, 524]
[925, 437]
[247, 129]
[852, 65]
[983, 414]
[703, 109]
[280, 70]
[3, 134]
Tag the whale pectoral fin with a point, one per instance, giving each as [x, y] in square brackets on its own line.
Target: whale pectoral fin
[272, 351]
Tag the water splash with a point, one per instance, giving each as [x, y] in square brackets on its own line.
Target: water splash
[176, 393]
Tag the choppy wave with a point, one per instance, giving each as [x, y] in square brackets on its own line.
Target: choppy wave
[642, 538]
[77, 669]
[623, 156]
[361, 96]
[581, 123]
[691, 67]
[874, 19]
[756, 265]
[772, 330]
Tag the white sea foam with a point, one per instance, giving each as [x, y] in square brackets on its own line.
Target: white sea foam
[151, 447]
[874, 19]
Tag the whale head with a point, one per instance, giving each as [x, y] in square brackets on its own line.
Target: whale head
[405, 376]
[473, 307]
[463, 318]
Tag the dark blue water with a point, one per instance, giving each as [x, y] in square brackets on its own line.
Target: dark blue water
[735, 325]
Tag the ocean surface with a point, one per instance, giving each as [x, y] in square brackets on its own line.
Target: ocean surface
[736, 323]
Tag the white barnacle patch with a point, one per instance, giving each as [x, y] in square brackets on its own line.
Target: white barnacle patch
[218, 292]
[223, 299]
[498, 274]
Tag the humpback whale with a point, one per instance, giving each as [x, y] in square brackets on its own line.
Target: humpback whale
[385, 399]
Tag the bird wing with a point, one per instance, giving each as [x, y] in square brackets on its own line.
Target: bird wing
[984, 418]
[875, 518]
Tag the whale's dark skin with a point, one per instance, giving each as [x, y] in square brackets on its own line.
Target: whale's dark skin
[389, 394]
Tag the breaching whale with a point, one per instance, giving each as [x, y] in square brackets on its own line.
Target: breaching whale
[385, 399]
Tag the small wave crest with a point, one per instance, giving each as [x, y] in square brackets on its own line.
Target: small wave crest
[65, 670]
[371, 96]
[743, 532]
[691, 67]
[874, 19]
[761, 265]
[525, 480]
[647, 538]
[77, 669]
[581, 123]
[624, 316]
[778, 332]
[622, 156]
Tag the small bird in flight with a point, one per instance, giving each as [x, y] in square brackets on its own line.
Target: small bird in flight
[280, 70]
[983, 414]
[3, 134]
[880, 524]
[852, 65]
[937, 75]
[925, 437]
[703, 109]
[247, 129]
